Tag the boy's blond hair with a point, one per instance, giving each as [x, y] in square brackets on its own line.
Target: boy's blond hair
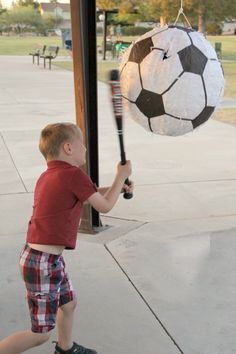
[54, 135]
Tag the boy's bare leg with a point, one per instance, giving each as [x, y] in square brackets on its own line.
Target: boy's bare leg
[21, 341]
[65, 319]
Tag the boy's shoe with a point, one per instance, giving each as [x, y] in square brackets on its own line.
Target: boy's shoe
[76, 349]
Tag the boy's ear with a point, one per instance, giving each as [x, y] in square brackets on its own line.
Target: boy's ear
[67, 148]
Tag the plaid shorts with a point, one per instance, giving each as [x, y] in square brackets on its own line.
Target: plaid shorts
[48, 287]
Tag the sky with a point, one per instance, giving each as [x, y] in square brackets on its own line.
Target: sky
[8, 2]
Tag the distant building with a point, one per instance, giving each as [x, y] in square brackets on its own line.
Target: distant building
[57, 9]
[229, 27]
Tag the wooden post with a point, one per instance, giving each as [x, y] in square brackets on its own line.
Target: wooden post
[79, 11]
[162, 21]
[78, 66]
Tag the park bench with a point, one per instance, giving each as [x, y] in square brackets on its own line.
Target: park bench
[50, 53]
[37, 53]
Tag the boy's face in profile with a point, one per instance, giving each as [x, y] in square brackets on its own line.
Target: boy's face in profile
[79, 151]
[75, 151]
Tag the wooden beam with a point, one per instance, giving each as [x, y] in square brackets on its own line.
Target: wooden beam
[78, 64]
[82, 70]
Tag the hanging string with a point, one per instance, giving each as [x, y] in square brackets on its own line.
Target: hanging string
[181, 12]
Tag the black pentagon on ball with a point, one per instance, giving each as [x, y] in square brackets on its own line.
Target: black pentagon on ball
[140, 50]
[203, 116]
[150, 104]
[192, 60]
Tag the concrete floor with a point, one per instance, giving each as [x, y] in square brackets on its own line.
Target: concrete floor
[161, 278]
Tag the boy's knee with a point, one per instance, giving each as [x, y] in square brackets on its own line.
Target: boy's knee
[41, 338]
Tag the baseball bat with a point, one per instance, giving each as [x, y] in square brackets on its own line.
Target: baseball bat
[118, 114]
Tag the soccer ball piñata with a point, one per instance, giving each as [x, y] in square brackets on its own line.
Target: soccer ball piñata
[171, 80]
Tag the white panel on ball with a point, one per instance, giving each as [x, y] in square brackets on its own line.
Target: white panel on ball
[166, 125]
[177, 45]
[180, 101]
[161, 38]
[165, 71]
[133, 111]
[165, 39]
[213, 78]
[125, 57]
[130, 89]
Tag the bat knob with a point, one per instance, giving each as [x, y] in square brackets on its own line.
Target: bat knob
[128, 195]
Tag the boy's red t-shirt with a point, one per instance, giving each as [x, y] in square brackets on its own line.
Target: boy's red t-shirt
[58, 199]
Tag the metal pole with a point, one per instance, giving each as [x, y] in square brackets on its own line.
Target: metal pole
[104, 34]
[83, 93]
[90, 73]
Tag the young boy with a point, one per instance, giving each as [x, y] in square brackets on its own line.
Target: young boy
[58, 198]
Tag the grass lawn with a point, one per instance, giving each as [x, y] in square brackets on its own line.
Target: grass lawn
[228, 46]
[230, 78]
[16, 45]
[226, 115]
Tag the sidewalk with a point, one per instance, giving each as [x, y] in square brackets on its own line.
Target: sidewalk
[161, 278]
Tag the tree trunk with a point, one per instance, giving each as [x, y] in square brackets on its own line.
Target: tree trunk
[201, 20]
[162, 21]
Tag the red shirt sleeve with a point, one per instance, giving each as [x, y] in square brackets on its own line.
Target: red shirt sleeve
[82, 186]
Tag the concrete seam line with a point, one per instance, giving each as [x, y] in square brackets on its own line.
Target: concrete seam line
[144, 300]
[13, 162]
[186, 182]
[125, 219]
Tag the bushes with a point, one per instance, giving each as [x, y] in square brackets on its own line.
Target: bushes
[134, 30]
[21, 19]
[214, 29]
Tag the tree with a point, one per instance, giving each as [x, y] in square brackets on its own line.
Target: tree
[51, 21]
[58, 19]
[125, 9]
[152, 10]
[2, 18]
[211, 10]
[198, 11]
[124, 6]
[107, 4]
[21, 18]
[2, 9]
[32, 3]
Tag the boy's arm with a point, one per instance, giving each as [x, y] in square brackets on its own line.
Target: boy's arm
[125, 188]
[103, 190]
[104, 203]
